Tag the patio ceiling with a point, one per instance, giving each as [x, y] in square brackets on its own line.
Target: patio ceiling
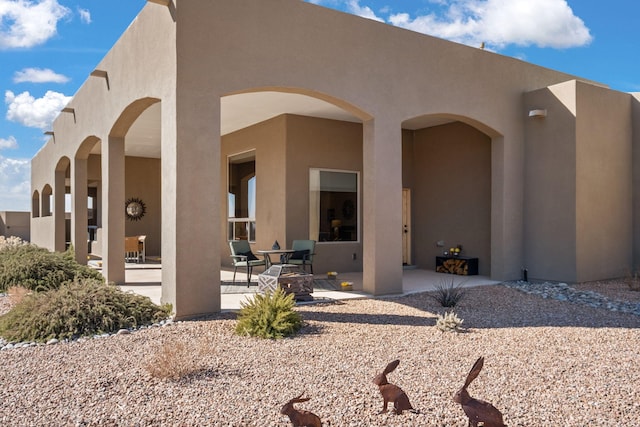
[240, 111]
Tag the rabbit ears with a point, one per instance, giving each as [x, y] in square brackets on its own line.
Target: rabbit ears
[473, 374]
[391, 367]
[299, 399]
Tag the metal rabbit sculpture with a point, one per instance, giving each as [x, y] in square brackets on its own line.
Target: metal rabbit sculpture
[477, 410]
[391, 392]
[300, 418]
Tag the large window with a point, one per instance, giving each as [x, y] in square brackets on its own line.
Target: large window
[242, 197]
[333, 205]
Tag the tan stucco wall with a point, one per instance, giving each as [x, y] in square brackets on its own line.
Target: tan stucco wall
[604, 183]
[550, 186]
[323, 144]
[578, 183]
[451, 193]
[15, 224]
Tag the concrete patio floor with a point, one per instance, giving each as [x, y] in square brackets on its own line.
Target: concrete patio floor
[145, 279]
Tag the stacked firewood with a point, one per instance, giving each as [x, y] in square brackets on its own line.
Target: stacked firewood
[454, 266]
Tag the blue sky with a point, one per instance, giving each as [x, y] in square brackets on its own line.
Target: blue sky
[49, 47]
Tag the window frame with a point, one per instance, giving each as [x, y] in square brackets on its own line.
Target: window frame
[357, 216]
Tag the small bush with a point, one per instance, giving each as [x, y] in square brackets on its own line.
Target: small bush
[175, 360]
[37, 269]
[269, 316]
[450, 322]
[449, 294]
[80, 308]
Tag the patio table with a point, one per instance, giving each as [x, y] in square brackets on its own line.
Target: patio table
[285, 254]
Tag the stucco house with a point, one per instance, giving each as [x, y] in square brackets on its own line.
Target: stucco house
[282, 120]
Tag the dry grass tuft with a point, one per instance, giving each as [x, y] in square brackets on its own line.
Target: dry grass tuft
[175, 359]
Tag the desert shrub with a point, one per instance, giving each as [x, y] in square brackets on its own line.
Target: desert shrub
[12, 241]
[448, 294]
[449, 322]
[174, 360]
[79, 308]
[271, 315]
[38, 269]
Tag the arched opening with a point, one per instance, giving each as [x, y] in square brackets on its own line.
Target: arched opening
[447, 178]
[46, 201]
[35, 204]
[289, 138]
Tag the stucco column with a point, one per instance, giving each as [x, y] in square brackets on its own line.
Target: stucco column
[113, 210]
[79, 215]
[191, 203]
[382, 206]
[58, 211]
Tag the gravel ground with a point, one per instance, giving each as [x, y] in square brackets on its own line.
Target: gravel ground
[547, 363]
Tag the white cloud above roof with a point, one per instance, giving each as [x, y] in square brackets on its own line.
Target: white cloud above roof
[26, 23]
[35, 112]
[39, 75]
[498, 23]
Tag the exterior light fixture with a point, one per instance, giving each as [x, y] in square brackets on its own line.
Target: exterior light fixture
[538, 113]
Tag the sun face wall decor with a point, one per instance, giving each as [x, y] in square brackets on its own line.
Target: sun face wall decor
[135, 209]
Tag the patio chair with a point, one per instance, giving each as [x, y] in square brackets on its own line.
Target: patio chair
[131, 249]
[304, 250]
[242, 256]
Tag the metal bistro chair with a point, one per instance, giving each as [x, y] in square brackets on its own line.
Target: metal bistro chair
[242, 256]
[304, 250]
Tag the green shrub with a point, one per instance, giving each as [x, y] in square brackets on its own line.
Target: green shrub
[38, 269]
[448, 294]
[450, 322]
[79, 308]
[269, 316]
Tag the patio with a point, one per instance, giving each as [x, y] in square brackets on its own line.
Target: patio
[145, 279]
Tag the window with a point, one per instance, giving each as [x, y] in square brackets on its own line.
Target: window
[333, 205]
[241, 197]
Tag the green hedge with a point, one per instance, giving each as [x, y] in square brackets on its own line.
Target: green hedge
[81, 308]
[38, 269]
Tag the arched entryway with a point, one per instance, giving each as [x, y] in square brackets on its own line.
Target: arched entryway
[447, 171]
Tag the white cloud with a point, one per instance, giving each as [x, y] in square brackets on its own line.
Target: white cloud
[363, 11]
[39, 75]
[32, 112]
[8, 143]
[544, 23]
[85, 15]
[15, 187]
[25, 23]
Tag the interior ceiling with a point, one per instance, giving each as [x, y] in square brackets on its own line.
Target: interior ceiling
[240, 111]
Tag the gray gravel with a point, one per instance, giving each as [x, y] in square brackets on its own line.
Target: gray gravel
[547, 363]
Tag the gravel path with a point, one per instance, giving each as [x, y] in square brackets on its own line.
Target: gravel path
[547, 363]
